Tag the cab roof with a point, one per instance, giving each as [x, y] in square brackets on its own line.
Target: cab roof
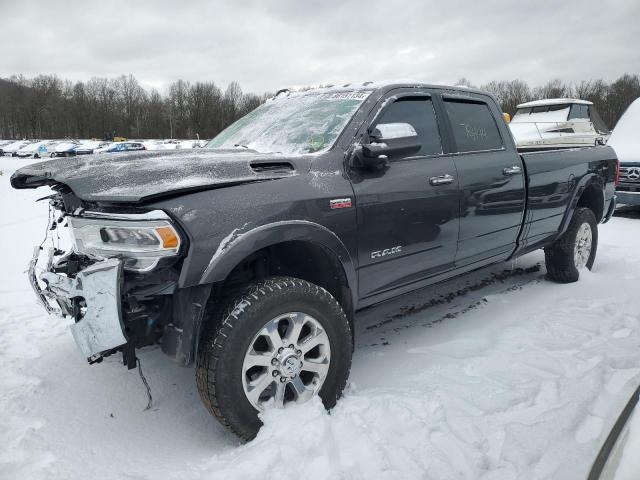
[371, 86]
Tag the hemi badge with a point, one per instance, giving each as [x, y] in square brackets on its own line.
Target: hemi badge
[340, 203]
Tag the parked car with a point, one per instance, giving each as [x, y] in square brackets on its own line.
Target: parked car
[65, 148]
[120, 147]
[557, 123]
[161, 144]
[48, 148]
[625, 140]
[12, 148]
[87, 147]
[188, 144]
[250, 258]
[33, 150]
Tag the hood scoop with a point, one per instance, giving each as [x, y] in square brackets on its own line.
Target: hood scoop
[268, 166]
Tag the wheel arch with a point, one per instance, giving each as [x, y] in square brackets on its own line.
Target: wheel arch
[232, 253]
[299, 249]
[307, 245]
[588, 193]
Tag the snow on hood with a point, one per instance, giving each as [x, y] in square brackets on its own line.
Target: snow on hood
[625, 138]
[142, 176]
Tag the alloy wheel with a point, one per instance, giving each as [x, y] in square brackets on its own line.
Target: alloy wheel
[287, 361]
[582, 247]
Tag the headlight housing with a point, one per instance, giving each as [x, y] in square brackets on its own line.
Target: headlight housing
[141, 239]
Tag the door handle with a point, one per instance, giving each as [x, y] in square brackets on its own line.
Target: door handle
[441, 180]
[515, 170]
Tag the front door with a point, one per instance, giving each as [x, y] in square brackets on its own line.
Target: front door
[407, 211]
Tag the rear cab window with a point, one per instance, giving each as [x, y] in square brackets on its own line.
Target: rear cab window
[474, 126]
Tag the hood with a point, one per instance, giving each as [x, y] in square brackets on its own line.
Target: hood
[138, 177]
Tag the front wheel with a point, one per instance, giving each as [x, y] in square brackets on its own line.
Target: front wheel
[575, 249]
[282, 341]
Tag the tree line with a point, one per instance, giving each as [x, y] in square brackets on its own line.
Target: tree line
[46, 106]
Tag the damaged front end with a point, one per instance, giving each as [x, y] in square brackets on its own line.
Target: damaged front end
[116, 277]
[92, 298]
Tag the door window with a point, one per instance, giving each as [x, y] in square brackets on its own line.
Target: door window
[418, 112]
[474, 127]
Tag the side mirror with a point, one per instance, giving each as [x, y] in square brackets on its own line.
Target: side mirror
[391, 131]
[388, 140]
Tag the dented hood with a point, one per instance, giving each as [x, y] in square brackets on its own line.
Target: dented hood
[144, 176]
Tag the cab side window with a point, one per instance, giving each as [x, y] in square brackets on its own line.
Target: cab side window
[419, 113]
[473, 124]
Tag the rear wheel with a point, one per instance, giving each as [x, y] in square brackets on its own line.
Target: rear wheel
[282, 341]
[575, 250]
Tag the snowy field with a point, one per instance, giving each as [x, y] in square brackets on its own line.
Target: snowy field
[503, 376]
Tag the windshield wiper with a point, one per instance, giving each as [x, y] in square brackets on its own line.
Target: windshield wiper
[240, 145]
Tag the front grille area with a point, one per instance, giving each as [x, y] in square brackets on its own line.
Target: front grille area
[630, 174]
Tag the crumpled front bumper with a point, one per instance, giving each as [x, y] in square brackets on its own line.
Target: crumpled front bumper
[91, 298]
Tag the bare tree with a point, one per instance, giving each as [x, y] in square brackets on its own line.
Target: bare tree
[48, 107]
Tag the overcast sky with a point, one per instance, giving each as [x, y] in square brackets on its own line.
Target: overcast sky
[270, 44]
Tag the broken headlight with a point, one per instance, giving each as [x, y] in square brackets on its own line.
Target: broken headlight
[140, 239]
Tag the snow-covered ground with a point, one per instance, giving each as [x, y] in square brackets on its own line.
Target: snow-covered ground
[499, 375]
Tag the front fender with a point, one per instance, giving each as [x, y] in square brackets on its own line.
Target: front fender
[240, 244]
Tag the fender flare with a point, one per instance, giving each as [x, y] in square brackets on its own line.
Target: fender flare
[237, 246]
[585, 182]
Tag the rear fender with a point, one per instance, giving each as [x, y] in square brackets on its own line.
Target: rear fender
[585, 182]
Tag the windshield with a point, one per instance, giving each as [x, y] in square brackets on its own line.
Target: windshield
[293, 124]
[543, 113]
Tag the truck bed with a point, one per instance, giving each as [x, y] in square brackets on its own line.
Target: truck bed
[554, 179]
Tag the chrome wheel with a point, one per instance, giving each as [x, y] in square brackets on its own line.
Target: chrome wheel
[582, 247]
[287, 361]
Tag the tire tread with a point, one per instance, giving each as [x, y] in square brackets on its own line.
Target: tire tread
[213, 341]
[559, 256]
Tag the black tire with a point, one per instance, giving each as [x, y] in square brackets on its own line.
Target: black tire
[227, 338]
[559, 257]
[53, 155]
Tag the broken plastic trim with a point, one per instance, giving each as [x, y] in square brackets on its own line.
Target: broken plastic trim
[100, 329]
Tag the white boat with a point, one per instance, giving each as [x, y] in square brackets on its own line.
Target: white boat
[557, 123]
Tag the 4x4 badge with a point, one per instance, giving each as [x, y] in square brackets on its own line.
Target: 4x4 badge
[340, 203]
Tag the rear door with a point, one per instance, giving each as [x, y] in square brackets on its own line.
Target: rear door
[491, 176]
[408, 211]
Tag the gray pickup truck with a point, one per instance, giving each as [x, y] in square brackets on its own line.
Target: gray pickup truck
[252, 257]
